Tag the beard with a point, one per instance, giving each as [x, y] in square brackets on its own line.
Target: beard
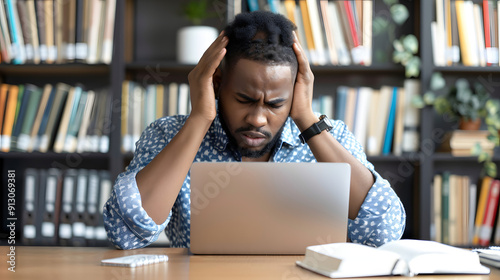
[245, 152]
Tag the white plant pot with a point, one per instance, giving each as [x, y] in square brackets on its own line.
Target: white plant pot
[193, 41]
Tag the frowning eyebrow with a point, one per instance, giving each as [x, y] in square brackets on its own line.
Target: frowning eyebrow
[270, 102]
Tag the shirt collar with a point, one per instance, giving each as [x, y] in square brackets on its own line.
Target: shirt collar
[289, 135]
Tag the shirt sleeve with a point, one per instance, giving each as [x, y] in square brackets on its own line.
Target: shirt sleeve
[382, 216]
[127, 224]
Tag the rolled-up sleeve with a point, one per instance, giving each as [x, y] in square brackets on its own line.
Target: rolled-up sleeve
[127, 224]
[382, 216]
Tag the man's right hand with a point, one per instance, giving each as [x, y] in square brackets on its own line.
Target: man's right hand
[201, 80]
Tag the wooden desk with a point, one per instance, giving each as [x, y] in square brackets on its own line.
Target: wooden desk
[84, 263]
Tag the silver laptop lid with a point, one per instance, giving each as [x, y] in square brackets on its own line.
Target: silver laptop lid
[267, 208]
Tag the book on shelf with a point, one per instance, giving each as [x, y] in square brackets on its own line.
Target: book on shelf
[481, 207]
[10, 115]
[453, 207]
[141, 105]
[465, 32]
[47, 132]
[389, 131]
[55, 117]
[41, 117]
[86, 119]
[52, 31]
[18, 52]
[3, 104]
[490, 213]
[461, 142]
[62, 207]
[5, 42]
[405, 257]
[70, 107]
[26, 104]
[362, 113]
[397, 145]
[436, 217]
[330, 32]
[366, 112]
[411, 122]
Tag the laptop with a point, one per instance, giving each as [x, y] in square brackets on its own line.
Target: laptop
[266, 207]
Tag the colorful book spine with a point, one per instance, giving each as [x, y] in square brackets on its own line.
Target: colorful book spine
[390, 123]
[486, 231]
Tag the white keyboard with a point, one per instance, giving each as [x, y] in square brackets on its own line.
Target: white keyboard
[135, 260]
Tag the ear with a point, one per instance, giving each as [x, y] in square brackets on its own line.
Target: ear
[217, 81]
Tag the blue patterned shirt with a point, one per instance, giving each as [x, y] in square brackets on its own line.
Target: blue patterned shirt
[381, 218]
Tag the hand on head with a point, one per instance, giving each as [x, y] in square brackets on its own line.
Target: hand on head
[201, 81]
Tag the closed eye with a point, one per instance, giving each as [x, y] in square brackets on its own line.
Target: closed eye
[275, 106]
[276, 103]
[244, 101]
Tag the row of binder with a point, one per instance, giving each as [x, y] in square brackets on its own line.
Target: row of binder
[65, 207]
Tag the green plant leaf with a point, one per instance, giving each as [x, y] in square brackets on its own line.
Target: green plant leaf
[437, 81]
[399, 13]
[196, 11]
[490, 169]
[380, 24]
[476, 150]
[492, 106]
[398, 46]
[483, 156]
[462, 84]
[417, 102]
[410, 43]
[492, 130]
[412, 67]
[429, 98]
[398, 56]
[441, 105]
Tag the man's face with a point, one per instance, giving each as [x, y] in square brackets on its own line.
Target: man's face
[254, 103]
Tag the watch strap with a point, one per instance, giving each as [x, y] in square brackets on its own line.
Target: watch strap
[315, 129]
[309, 133]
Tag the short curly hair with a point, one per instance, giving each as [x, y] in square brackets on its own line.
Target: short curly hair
[261, 36]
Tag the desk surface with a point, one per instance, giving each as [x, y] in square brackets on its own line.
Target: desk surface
[84, 263]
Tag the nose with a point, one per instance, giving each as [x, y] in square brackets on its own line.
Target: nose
[257, 117]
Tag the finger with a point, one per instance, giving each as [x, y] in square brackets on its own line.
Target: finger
[300, 53]
[304, 67]
[213, 55]
[217, 44]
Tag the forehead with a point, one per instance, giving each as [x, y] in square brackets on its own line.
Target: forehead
[250, 74]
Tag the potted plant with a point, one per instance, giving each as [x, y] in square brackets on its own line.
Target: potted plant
[193, 40]
[469, 106]
[463, 103]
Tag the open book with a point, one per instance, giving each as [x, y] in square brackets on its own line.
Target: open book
[403, 257]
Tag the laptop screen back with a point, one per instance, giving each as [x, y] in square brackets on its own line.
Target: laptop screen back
[267, 208]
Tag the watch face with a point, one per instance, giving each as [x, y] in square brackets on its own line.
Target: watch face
[328, 123]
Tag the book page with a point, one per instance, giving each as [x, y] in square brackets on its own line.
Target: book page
[429, 257]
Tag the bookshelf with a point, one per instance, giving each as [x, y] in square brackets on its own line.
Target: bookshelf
[144, 51]
[92, 76]
[433, 124]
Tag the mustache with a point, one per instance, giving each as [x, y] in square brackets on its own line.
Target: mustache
[254, 129]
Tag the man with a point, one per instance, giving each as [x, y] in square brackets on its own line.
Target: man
[253, 107]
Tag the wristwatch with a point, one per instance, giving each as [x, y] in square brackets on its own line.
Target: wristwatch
[315, 129]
